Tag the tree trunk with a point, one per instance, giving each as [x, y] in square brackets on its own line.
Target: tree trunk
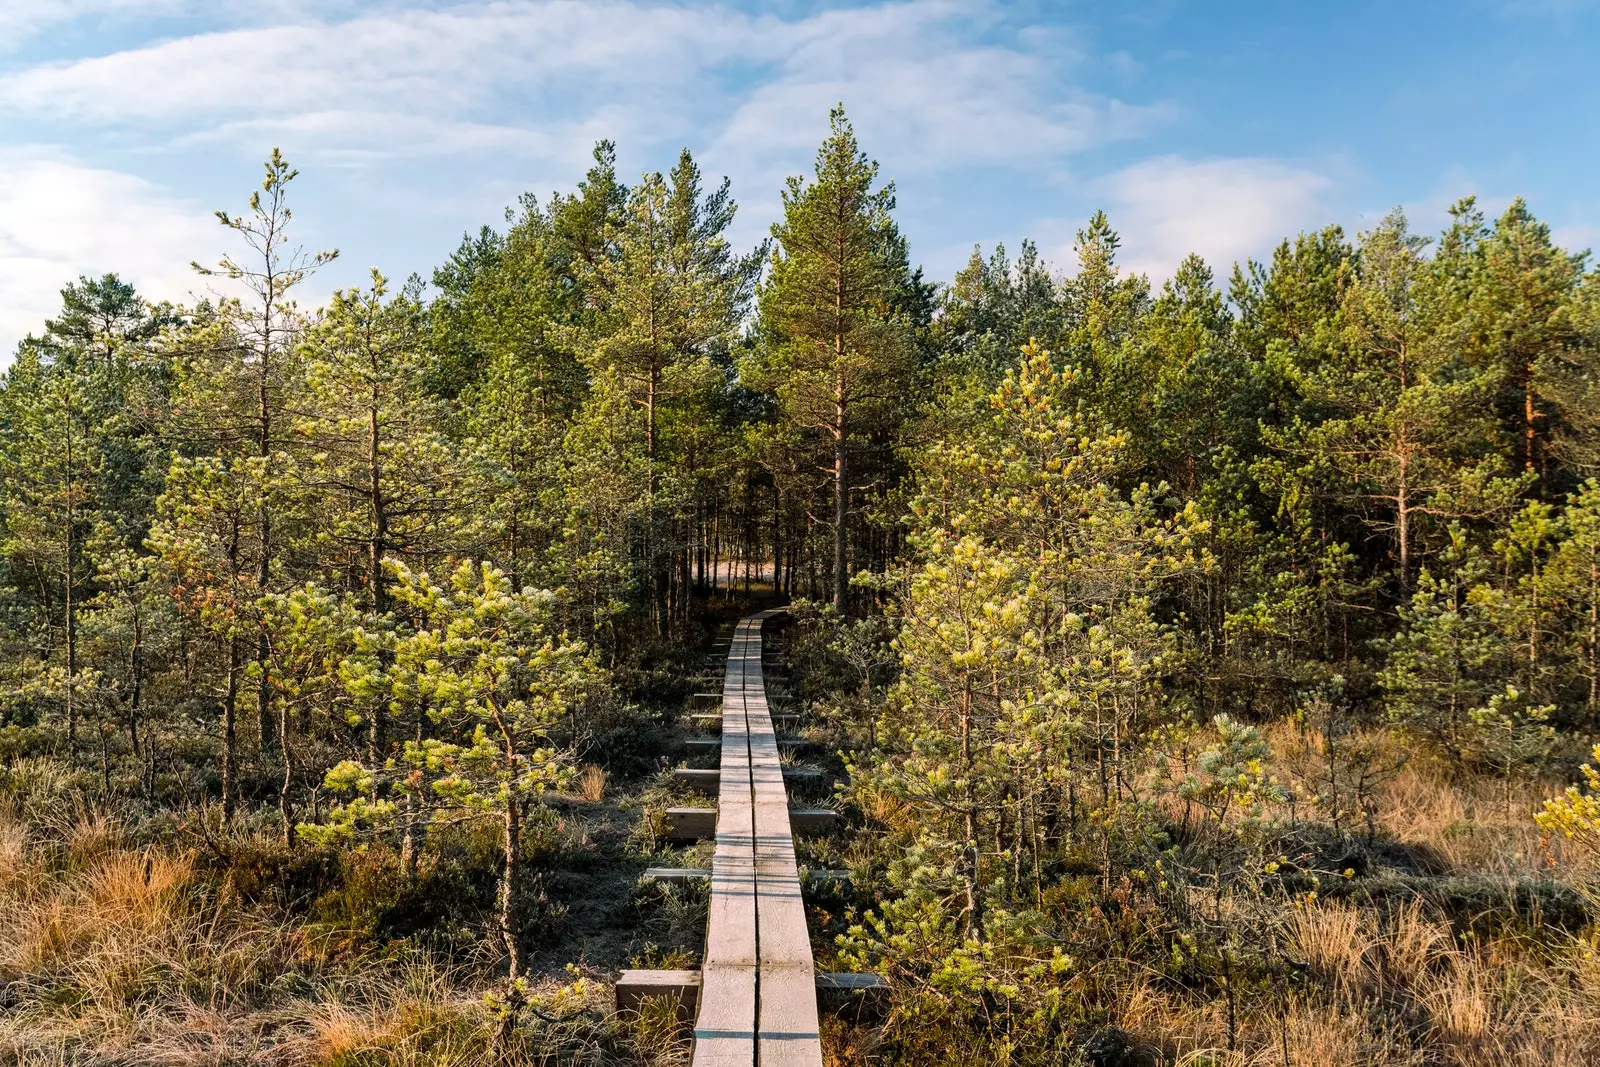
[377, 547]
[1594, 631]
[716, 543]
[841, 508]
[510, 932]
[264, 521]
[1530, 416]
[71, 606]
[230, 699]
[135, 685]
[411, 840]
[1403, 522]
[286, 787]
[970, 854]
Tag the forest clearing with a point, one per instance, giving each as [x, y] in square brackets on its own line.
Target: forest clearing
[1130, 674]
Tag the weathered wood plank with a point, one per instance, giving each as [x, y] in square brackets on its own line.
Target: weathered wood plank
[858, 997]
[787, 1020]
[691, 824]
[814, 821]
[681, 987]
[675, 875]
[788, 1030]
[699, 779]
[725, 1027]
[759, 999]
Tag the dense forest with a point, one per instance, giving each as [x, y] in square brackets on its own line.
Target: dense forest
[1205, 668]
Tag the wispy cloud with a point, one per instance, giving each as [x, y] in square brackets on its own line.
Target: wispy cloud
[20, 20]
[526, 86]
[910, 68]
[60, 219]
[1224, 209]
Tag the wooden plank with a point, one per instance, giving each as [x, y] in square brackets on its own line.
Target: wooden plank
[787, 1020]
[759, 1001]
[850, 981]
[691, 824]
[681, 987]
[861, 998]
[788, 1028]
[699, 779]
[724, 1031]
[814, 821]
[725, 1027]
[675, 875]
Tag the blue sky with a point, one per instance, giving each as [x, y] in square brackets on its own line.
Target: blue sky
[1207, 127]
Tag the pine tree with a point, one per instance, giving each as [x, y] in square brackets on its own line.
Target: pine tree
[1448, 658]
[835, 354]
[669, 303]
[240, 367]
[1521, 326]
[496, 680]
[54, 470]
[1399, 423]
[391, 480]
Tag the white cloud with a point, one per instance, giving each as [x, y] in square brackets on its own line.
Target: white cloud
[482, 73]
[59, 219]
[525, 87]
[22, 19]
[1224, 209]
[432, 62]
[1576, 238]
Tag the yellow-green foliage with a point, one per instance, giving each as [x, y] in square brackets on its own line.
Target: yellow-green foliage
[1576, 813]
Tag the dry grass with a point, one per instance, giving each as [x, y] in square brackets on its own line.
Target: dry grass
[1471, 825]
[1388, 979]
[1388, 990]
[592, 784]
[116, 954]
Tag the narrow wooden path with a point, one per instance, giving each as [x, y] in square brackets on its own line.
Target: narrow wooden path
[758, 999]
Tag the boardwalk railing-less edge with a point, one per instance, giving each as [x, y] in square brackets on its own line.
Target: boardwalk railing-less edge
[758, 1000]
[756, 991]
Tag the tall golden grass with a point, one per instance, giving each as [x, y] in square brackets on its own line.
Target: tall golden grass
[1390, 980]
[116, 953]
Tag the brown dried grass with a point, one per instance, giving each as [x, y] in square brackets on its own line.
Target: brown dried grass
[592, 784]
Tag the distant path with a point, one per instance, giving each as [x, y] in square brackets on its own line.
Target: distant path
[758, 1000]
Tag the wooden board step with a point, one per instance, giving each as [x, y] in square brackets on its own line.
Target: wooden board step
[859, 997]
[835, 992]
[691, 824]
[756, 936]
[676, 875]
[681, 987]
[701, 781]
[786, 746]
[707, 780]
[814, 821]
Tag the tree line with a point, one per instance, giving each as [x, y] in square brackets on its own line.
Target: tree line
[406, 556]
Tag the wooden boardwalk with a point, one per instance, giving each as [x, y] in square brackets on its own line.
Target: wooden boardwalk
[758, 998]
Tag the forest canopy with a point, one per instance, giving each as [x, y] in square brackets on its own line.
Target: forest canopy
[1168, 640]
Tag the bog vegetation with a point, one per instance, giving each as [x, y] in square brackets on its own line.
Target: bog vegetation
[1209, 669]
